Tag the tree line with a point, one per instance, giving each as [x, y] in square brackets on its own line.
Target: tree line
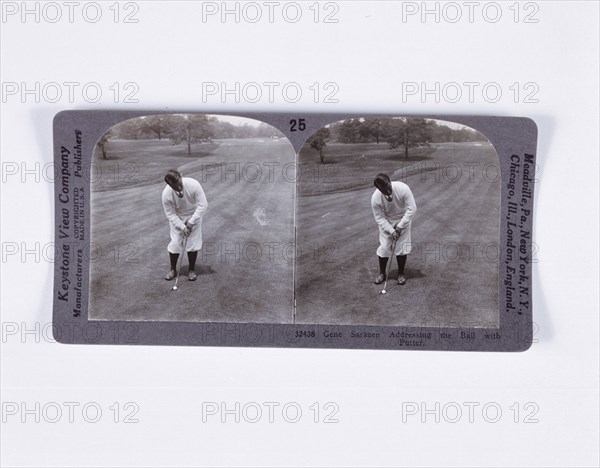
[184, 129]
[405, 133]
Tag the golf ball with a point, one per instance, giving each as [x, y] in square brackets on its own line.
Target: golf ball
[174, 288]
[383, 291]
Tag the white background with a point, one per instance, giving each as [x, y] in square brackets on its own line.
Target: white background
[369, 53]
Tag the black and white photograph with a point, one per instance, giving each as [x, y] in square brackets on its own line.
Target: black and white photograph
[192, 221]
[384, 221]
[399, 225]
[325, 233]
[362, 231]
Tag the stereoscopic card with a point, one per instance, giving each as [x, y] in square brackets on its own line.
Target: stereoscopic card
[294, 230]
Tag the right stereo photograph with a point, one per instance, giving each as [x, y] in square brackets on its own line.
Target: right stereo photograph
[397, 224]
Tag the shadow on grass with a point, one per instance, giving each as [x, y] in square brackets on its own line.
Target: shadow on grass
[201, 270]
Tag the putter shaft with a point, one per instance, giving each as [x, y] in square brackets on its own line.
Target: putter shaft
[389, 266]
[180, 262]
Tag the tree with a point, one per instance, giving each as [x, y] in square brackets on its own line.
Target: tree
[319, 140]
[245, 131]
[189, 128]
[221, 129]
[439, 133]
[334, 131]
[406, 132]
[372, 128]
[104, 140]
[129, 129]
[467, 134]
[154, 125]
[349, 131]
[264, 130]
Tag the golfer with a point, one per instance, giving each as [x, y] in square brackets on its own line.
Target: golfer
[184, 203]
[393, 206]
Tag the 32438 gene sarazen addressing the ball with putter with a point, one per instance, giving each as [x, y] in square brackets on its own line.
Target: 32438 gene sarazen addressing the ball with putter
[184, 203]
[393, 207]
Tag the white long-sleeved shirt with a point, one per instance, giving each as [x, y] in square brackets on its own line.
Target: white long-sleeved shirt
[402, 207]
[192, 205]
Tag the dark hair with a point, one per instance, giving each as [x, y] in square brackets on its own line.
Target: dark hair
[381, 180]
[172, 177]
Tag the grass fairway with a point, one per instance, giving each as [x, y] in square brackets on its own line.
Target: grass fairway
[240, 278]
[349, 166]
[453, 270]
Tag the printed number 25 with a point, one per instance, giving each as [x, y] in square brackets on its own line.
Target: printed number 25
[297, 125]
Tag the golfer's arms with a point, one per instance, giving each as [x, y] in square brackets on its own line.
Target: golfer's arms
[381, 219]
[171, 214]
[201, 205]
[411, 209]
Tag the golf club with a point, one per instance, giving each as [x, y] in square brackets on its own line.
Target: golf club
[174, 288]
[387, 273]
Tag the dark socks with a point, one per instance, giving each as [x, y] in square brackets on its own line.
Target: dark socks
[192, 259]
[401, 263]
[382, 264]
[192, 256]
[173, 257]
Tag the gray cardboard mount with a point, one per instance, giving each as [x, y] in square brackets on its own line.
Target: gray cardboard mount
[515, 141]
